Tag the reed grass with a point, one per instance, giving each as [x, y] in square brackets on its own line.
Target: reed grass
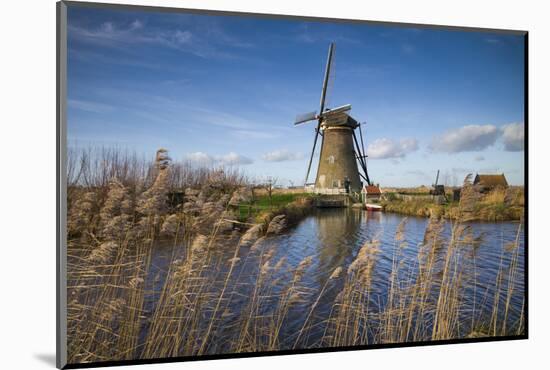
[499, 204]
[206, 302]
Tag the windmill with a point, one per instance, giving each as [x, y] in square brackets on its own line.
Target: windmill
[340, 149]
[438, 189]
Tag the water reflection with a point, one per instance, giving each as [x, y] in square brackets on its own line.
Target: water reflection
[333, 237]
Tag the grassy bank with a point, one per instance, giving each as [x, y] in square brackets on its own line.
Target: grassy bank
[256, 210]
[496, 205]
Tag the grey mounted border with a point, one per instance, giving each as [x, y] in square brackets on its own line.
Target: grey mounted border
[61, 190]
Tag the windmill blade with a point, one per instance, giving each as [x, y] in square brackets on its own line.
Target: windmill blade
[359, 155]
[362, 143]
[363, 155]
[331, 78]
[361, 158]
[305, 117]
[322, 106]
[312, 153]
[326, 79]
[363, 177]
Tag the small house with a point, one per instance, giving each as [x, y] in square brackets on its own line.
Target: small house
[371, 193]
[489, 182]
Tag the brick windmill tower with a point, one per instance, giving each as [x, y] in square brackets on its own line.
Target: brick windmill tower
[341, 153]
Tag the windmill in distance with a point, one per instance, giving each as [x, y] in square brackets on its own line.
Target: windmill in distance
[340, 149]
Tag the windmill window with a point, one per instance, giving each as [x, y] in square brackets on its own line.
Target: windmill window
[331, 159]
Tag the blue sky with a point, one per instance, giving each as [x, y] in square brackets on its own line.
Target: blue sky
[224, 90]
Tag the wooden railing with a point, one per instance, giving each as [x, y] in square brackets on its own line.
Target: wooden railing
[328, 191]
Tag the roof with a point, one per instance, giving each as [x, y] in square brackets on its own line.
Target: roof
[491, 180]
[329, 112]
[372, 189]
[338, 117]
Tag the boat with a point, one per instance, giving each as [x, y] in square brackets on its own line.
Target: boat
[373, 207]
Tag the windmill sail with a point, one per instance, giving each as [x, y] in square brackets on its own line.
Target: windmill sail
[312, 152]
[363, 157]
[331, 78]
[322, 106]
[326, 79]
[305, 117]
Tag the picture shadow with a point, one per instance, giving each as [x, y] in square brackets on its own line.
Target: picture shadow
[46, 358]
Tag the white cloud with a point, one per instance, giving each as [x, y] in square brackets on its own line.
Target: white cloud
[137, 24]
[513, 136]
[418, 173]
[282, 155]
[253, 134]
[192, 40]
[89, 106]
[233, 158]
[386, 148]
[182, 37]
[479, 158]
[200, 158]
[229, 159]
[109, 32]
[242, 128]
[466, 139]
[108, 27]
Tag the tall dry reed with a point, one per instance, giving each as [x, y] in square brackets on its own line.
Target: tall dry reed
[206, 302]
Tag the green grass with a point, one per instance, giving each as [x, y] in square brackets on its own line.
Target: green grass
[262, 204]
[488, 208]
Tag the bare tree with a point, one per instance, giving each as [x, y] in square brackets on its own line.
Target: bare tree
[269, 185]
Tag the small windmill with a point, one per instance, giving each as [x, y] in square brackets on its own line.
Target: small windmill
[340, 149]
[438, 189]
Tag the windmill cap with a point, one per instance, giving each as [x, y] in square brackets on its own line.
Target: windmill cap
[328, 112]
